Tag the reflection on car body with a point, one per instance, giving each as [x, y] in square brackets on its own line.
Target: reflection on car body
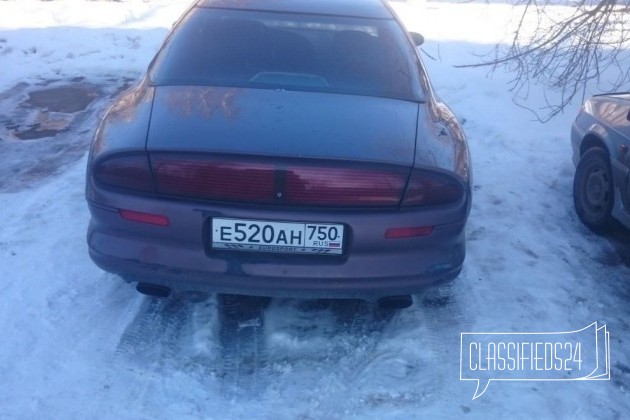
[281, 149]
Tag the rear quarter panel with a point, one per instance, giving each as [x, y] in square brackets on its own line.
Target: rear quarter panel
[124, 127]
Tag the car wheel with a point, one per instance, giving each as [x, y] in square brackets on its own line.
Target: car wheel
[593, 190]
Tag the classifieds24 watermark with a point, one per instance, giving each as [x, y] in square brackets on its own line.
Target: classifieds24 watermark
[580, 355]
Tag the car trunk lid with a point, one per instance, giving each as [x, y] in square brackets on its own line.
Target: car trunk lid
[283, 123]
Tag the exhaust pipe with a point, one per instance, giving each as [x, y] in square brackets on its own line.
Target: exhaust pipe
[395, 302]
[153, 290]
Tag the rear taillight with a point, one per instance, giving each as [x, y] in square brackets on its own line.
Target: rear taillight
[215, 180]
[129, 172]
[344, 187]
[279, 182]
[428, 188]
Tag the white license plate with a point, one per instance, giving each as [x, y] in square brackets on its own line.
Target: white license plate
[280, 237]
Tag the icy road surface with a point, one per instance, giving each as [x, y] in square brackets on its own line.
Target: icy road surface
[78, 343]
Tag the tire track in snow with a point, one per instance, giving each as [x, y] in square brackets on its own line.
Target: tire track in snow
[156, 333]
[242, 344]
[417, 356]
[373, 361]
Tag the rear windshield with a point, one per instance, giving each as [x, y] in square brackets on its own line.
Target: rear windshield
[218, 47]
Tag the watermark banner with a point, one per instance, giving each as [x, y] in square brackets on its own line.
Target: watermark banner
[581, 355]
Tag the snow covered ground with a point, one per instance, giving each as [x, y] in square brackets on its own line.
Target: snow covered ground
[76, 342]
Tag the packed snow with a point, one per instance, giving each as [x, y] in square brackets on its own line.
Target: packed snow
[77, 342]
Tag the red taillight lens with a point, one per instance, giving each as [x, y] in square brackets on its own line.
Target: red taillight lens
[408, 232]
[148, 218]
[278, 182]
[215, 180]
[344, 187]
[427, 188]
[129, 172]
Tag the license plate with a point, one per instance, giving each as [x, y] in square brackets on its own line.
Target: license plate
[279, 237]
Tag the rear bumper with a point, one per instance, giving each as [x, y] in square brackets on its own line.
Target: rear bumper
[179, 257]
[302, 287]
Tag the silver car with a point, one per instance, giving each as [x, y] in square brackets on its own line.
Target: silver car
[281, 148]
[601, 137]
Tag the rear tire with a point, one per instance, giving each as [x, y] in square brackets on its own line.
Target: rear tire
[593, 190]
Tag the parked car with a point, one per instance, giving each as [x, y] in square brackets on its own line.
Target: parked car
[600, 138]
[282, 148]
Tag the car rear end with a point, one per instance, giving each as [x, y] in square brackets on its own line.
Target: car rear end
[327, 250]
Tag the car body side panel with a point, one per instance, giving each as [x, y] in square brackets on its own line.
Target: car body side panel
[124, 128]
[125, 125]
[578, 133]
[442, 142]
[441, 139]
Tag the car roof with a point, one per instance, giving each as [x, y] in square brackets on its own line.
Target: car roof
[376, 9]
[615, 95]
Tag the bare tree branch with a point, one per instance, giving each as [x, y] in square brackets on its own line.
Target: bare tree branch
[567, 52]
